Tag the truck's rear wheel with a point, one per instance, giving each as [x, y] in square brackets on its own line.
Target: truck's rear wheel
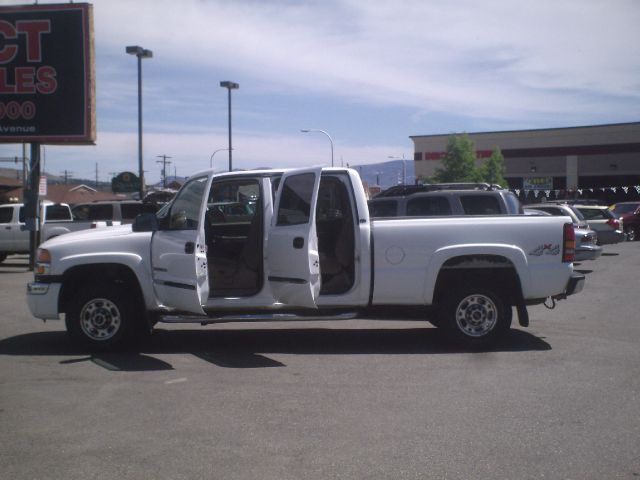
[475, 317]
[101, 317]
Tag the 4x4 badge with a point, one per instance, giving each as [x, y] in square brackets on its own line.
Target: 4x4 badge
[545, 249]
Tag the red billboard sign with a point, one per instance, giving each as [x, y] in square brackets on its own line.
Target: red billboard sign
[47, 79]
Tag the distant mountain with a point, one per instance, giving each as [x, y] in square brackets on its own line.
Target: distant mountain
[387, 174]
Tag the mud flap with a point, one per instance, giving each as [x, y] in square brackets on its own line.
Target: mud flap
[523, 315]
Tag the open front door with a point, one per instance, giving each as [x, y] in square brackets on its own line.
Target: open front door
[292, 248]
[179, 251]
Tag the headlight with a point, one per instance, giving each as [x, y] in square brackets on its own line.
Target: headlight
[43, 262]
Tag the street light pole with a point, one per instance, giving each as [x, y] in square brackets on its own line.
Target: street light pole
[140, 53]
[230, 86]
[308, 130]
[213, 154]
[404, 167]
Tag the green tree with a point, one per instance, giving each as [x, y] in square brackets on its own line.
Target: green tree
[459, 162]
[493, 169]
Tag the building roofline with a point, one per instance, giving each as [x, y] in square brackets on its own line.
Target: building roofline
[527, 130]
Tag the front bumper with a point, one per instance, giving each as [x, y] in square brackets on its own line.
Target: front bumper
[42, 299]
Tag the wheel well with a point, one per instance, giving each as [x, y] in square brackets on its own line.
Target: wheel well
[104, 273]
[490, 271]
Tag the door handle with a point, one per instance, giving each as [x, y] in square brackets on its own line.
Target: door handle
[7, 228]
[189, 247]
[298, 242]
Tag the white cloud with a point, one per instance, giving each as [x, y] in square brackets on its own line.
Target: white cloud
[496, 58]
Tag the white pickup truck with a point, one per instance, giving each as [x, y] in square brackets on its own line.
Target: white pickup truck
[55, 219]
[296, 244]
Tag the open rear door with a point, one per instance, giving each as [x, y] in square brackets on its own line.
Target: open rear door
[293, 262]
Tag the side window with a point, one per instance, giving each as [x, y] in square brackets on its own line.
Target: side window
[6, 214]
[383, 208]
[92, 211]
[295, 200]
[480, 205]
[428, 207]
[185, 209]
[129, 211]
[233, 201]
[80, 212]
[553, 211]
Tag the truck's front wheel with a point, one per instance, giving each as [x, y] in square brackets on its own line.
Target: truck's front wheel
[100, 317]
[475, 317]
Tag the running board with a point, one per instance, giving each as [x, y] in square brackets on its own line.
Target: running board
[263, 317]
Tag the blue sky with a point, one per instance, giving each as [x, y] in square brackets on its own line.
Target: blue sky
[371, 73]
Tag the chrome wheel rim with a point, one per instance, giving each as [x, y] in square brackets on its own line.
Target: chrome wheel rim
[100, 319]
[476, 315]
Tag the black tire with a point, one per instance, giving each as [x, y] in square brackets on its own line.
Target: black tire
[3, 257]
[475, 317]
[632, 233]
[102, 317]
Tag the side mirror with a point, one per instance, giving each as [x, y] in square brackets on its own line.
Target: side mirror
[145, 222]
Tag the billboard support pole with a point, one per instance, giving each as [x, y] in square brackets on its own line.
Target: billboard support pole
[32, 203]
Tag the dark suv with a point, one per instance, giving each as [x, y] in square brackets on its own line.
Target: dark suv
[446, 202]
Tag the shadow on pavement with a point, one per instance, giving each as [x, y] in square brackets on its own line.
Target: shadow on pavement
[247, 348]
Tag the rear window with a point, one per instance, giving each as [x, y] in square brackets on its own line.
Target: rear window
[480, 205]
[596, 214]
[57, 212]
[383, 208]
[428, 207]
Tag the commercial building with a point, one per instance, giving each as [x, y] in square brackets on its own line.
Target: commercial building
[591, 160]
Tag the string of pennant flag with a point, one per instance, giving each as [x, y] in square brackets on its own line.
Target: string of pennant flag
[581, 191]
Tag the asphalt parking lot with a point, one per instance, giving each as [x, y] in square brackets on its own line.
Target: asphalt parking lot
[334, 400]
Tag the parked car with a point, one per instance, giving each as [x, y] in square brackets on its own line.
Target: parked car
[604, 222]
[629, 214]
[563, 210]
[111, 213]
[446, 202]
[55, 220]
[587, 247]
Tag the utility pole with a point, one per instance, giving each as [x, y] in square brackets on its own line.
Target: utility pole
[164, 163]
[96, 175]
[67, 175]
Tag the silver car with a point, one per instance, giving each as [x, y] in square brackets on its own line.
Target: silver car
[587, 247]
[604, 222]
